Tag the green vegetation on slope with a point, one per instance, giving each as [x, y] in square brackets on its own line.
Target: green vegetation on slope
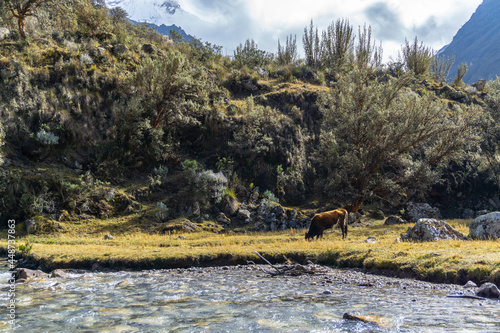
[103, 118]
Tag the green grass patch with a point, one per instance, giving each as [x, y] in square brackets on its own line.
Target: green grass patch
[81, 245]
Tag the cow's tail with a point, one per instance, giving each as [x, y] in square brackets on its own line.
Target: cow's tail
[346, 223]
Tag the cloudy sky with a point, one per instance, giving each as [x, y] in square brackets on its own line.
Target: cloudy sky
[230, 22]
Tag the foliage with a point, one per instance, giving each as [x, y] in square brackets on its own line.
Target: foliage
[36, 204]
[366, 54]
[118, 15]
[22, 9]
[287, 54]
[47, 138]
[161, 211]
[417, 58]
[25, 248]
[461, 71]
[270, 196]
[440, 67]
[211, 185]
[311, 44]
[380, 140]
[250, 55]
[491, 143]
[92, 16]
[191, 167]
[168, 94]
[337, 44]
[159, 176]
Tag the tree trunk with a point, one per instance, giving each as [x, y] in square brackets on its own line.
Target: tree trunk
[354, 207]
[21, 24]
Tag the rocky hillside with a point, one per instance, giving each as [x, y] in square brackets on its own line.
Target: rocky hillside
[103, 118]
[477, 44]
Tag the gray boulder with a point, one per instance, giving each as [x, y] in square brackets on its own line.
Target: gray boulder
[254, 197]
[479, 85]
[488, 290]
[58, 273]
[189, 226]
[377, 215]
[261, 71]
[223, 219]
[30, 225]
[25, 274]
[109, 195]
[248, 85]
[243, 214]
[4, 33]
[485, 226]
[470, 284]
[416, 211]
[392, 220]
[194, 211]
[426, 230]
[119, 50]
[353, 217]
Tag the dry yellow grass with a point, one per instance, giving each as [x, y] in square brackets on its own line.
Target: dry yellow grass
[442, 261]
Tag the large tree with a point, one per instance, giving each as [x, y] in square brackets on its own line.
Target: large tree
[22, 9]
[383, 140]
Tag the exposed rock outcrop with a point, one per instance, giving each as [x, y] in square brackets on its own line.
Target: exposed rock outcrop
[488, 290]
[432, 230]
[416, 211]
[392, 220]
[485, 226]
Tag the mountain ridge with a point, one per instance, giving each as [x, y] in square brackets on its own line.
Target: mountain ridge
[477, 44]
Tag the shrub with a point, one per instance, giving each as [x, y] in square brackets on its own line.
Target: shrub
[47, 138]
[211, 185]
[86, 59]
[380, 140]
[440, 67]
[161, 211]
[461, 71]
[270, 196]
[417, 58]
[250, 55]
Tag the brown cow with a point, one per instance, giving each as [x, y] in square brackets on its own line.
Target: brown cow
[327, 220]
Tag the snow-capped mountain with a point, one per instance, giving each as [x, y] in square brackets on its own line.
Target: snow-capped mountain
[157, 12]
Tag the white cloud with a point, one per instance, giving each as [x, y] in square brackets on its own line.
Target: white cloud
[230, 22]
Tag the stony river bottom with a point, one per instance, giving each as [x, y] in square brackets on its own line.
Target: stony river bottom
[239, 299]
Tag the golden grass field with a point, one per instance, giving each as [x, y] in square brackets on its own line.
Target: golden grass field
[82, 245]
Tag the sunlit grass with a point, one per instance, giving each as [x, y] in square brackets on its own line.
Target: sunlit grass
[446, 260]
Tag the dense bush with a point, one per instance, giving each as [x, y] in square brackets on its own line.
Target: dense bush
[82, 92]
[381, 140]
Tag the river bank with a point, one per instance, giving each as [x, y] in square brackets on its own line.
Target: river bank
[374, 248]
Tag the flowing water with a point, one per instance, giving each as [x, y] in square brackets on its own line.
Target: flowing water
[235, 300]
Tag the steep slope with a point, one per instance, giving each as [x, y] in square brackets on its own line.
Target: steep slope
[477, 44]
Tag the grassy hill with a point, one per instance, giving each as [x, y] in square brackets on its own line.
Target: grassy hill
[105, 119]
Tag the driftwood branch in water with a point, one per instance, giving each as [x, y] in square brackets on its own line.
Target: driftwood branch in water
[467, 296]
[290, 269]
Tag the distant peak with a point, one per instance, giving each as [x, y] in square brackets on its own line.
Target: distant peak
[171, 6]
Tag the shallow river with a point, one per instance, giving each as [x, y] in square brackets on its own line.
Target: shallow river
[239, 300]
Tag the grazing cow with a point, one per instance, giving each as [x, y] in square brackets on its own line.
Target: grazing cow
[327, 220]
